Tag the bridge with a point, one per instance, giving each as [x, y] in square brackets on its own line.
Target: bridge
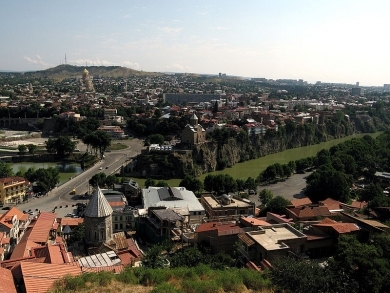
[6, 122]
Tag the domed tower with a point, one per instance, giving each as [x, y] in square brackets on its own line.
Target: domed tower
[85, 74]
[194, 120]
[98, 219]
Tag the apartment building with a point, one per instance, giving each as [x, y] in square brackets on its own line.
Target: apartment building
[12, 190]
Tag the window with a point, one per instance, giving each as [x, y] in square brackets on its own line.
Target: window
[116, 226]
[120, 226]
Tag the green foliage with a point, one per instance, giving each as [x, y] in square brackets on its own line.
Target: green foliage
[327, 182]
[155, 139]
[192, 183]
[265, 196]
[277, 205]
[222, 183]
[5, 170]
[46, 179]
[62, 145]
[149, 182]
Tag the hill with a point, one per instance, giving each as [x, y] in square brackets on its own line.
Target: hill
[62, 72]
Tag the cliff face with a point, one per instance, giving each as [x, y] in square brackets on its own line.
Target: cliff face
[212, 156]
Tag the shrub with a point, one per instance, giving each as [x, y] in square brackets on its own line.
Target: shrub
[166, 288]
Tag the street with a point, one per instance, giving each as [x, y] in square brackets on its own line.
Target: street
[61, 196]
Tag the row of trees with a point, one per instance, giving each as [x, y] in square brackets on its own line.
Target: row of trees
[30, 148]
[97, 141]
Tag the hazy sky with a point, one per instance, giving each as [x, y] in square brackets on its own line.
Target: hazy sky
[328, 41]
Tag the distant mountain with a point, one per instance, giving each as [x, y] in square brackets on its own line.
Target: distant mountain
[61, 72]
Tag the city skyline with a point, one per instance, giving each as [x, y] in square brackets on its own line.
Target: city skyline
[328, 41]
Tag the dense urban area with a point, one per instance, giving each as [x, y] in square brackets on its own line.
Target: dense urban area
[154, 207]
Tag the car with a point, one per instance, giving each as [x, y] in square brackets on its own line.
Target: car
[106, 167]
[251, 191]
[100, 168]
[6, 208]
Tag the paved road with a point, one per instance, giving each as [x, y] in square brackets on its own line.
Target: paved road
[290, 188]
[61, 196]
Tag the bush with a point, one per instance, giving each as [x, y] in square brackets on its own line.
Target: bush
[166, 288]
[190, 286]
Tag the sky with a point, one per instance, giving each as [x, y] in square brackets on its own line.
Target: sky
[323, 40]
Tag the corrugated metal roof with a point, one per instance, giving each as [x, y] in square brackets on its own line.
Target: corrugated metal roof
[98, 206]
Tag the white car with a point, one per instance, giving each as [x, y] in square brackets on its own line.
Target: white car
[100, 168]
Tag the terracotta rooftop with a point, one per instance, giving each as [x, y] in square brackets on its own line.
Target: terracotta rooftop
[7, 284]
[7, 217]
[71, 222]
[331, 204]
[39, 277]
[310, 211]
[340, 228]
[24, 249]
[300, 202]
[223, 228]
[254, 222]
[41, 229]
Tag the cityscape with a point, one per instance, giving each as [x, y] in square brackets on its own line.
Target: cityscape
[195, 147]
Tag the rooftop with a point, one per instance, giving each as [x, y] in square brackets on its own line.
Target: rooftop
[271, 238]
[98, 206]
[170, 197]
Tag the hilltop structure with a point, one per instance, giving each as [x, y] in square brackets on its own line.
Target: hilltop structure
[86, 84]
[193, 133]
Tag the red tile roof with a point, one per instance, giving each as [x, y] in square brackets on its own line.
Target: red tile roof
[300, 202]
[7, 217]
[39, 277]
[340, 228]
[41, 229]
[7, 284]
[331, 204]
[310, 211]
[223, 229]
[254, 222]
[23, 249]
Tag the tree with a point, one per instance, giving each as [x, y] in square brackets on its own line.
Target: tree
[250, 183]
[47, 179]
[98, 179]
[149, 182]
[5, 170]
[32, 148]
[327, 182]
[192, 183]
[62, 145]
[277, 205]
[162, 183]
[111, 180]
[22, 149]
[156, 139]
[265, 196]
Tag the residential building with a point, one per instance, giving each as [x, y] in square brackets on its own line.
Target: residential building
[12, 190]
[178, 198]
[220, 236]
[14, 223]
[226, 207]
[114, 131]
[269, 242]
